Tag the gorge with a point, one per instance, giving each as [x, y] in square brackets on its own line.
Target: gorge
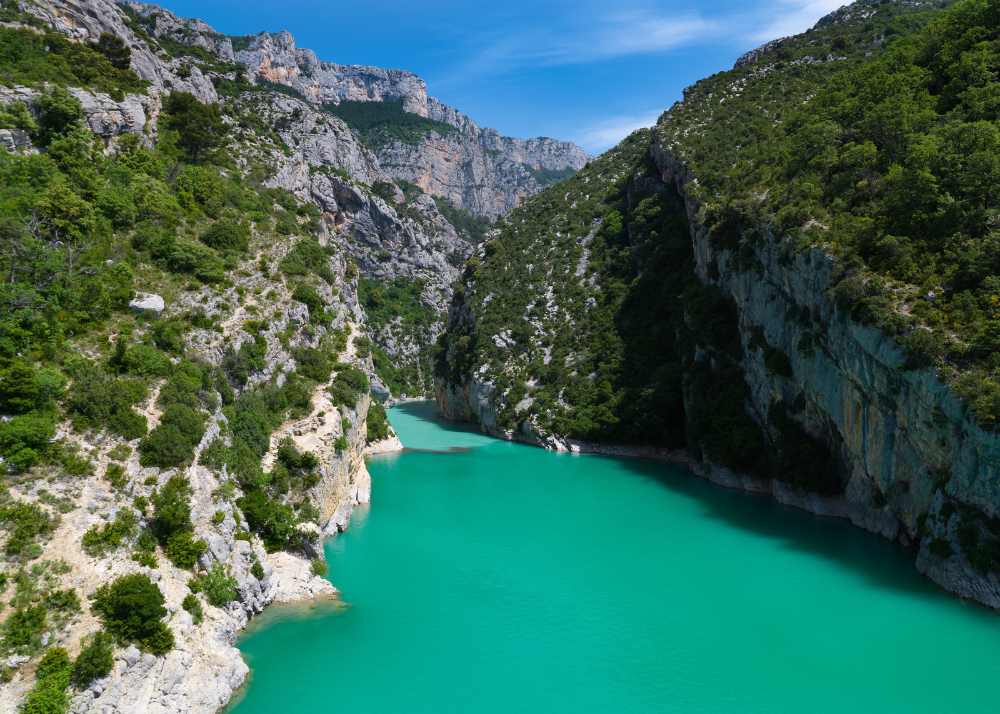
[226, 260]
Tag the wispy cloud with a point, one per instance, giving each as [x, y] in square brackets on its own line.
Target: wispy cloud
[606, 133]
[581, 41]
[789, 17]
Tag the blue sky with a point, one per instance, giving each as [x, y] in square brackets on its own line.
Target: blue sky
[572, 69]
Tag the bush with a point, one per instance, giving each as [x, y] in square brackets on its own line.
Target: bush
[377, 422]
[98, 401]
[318, 567]
[99, 540]
[192, 604]
[183, 549]
[114, 48]
[272, 520]
[349, 384]
[218, 586]
[116, 476]
[172, 508]
[131, 608]
[95, 660]
[23, 628]
[25, 523]
[52, 678]
[227, 235]
[174, 439]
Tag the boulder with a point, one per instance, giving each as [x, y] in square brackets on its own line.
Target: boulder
[149, 303]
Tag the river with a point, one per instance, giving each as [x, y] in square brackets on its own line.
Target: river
[496, 577]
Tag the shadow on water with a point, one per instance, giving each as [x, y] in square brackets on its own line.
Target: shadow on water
[427, 410]
[881, 563]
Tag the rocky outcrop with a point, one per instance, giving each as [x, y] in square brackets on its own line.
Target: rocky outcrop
[106, 117]
[477, 169]
[85, 20]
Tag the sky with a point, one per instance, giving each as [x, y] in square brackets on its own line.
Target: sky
[582, 70]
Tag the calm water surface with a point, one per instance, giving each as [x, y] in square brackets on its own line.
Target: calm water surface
[494, 577]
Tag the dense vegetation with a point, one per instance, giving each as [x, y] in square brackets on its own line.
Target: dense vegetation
[892, 165]
[396, 311]
[380, 123]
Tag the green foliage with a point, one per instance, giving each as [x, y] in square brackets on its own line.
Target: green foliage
[380, 123]
[174, 439]
[227, 235]
[102, 539]
[547, 177]
[25, 524]
[218, 586]
[97, 400]
[49, 695]
[184, 550]
[377, 422]
[348, 385]
[114, 49]
[306, 257]
[34, 58]
[95, 660]
[23, 628]
[319, 567]
[192, 604]
[273, 520]
[470, 227]
[396, 307]
[886, 159]
[199, 127]
[131, 608]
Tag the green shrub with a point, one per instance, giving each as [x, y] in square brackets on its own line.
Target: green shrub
[23, 629]
[174, 439]
[227, 235]
[95, 660]
[131, 608]
[25, 439]
[25, 524]
[218, 586]
[318, 567]
[192, 604]
[52, 678]
[274, 521]
[308, 256]
[99, 540]
[349, 384]
[377, 422]
[116, 476]
[172, 508]
[183, 549]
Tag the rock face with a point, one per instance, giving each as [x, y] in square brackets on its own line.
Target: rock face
[85, 20]
[917, 466]
[477, 169]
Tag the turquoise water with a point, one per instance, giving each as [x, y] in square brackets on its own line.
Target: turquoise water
[494, 577]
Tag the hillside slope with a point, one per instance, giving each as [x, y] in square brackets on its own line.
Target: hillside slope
[790, 278]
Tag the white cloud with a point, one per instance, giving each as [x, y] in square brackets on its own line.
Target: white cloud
[606, 133]
[582, 40]
[790, 17]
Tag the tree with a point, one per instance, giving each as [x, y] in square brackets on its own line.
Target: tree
[115, 49]
[200, 128]
[58, 112]
[131, 608]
